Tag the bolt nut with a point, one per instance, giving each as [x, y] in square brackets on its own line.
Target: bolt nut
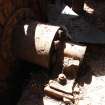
[62, 79]
[56, 44]
[60, 32]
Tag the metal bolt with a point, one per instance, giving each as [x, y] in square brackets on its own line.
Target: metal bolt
[62, 79]
[56, 44]
[60, 33]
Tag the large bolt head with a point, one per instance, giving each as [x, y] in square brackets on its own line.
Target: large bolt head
[62, 79]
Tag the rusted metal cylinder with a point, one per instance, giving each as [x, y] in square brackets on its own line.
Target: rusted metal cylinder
[73, 55]
[74, 51]
[44, 45]
[35, 43]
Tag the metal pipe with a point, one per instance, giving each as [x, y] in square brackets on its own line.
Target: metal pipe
[44, 45]
[35, 42]
[74, 51]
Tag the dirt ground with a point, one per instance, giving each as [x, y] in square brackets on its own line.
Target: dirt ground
[90, 79]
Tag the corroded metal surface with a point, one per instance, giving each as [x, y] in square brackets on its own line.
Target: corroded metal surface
[44, 36]
[13, 12]
[36, 45]
[74, 51]
[45, 45]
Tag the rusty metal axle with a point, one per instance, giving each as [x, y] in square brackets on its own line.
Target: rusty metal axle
[45, 45]
[40, 43]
